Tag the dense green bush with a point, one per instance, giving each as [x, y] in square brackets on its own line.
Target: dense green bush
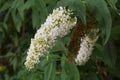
[20, 19]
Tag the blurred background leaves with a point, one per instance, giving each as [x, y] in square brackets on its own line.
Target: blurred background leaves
[19, 20]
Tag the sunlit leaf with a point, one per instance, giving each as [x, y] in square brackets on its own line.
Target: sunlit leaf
[28, 4]
[50, 72]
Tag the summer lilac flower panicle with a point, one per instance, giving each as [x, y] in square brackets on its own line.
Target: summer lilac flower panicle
[86, 48]
[57, 24]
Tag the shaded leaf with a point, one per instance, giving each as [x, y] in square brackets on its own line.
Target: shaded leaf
[35, 19]
[64, 3]
[14, 63]
[77, 6]
[17, 20]
[21, 9]
[79, 9]
[101, 54]
[115, 32]
[100, 11]
[114, 71]
[41, 7]
[5, 6]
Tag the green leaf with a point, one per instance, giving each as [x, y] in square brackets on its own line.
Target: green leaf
[101, 12]
[93, 76]
[79, 9]
[64, 75]
[28, 4]
[21, 9]
[15, 4]
[59, 46]
[7, 77]
[101, 54]
[39, 13]
[50, 5]
[41, 6]
[115, 32]
[69, 69]
[14, 63]
[64, 3]
[112, 3]
[44, 62]
[1, 37]
[5, 6]
[7, 15]
[114, 71]
[1, 33]
[17, 20]
[50, 71]
[53, 73]
[77, 6]
[35, 19]
[18, 5]
[72, 71]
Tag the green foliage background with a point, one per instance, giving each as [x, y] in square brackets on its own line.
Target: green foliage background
[19, 20]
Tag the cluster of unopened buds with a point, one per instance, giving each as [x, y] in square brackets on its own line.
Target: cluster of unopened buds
[57, 24]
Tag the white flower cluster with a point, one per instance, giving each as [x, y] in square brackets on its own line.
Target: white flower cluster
[86, 48]
[57, 24]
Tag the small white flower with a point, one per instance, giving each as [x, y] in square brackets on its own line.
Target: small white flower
[58, 24]
[86, 48]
